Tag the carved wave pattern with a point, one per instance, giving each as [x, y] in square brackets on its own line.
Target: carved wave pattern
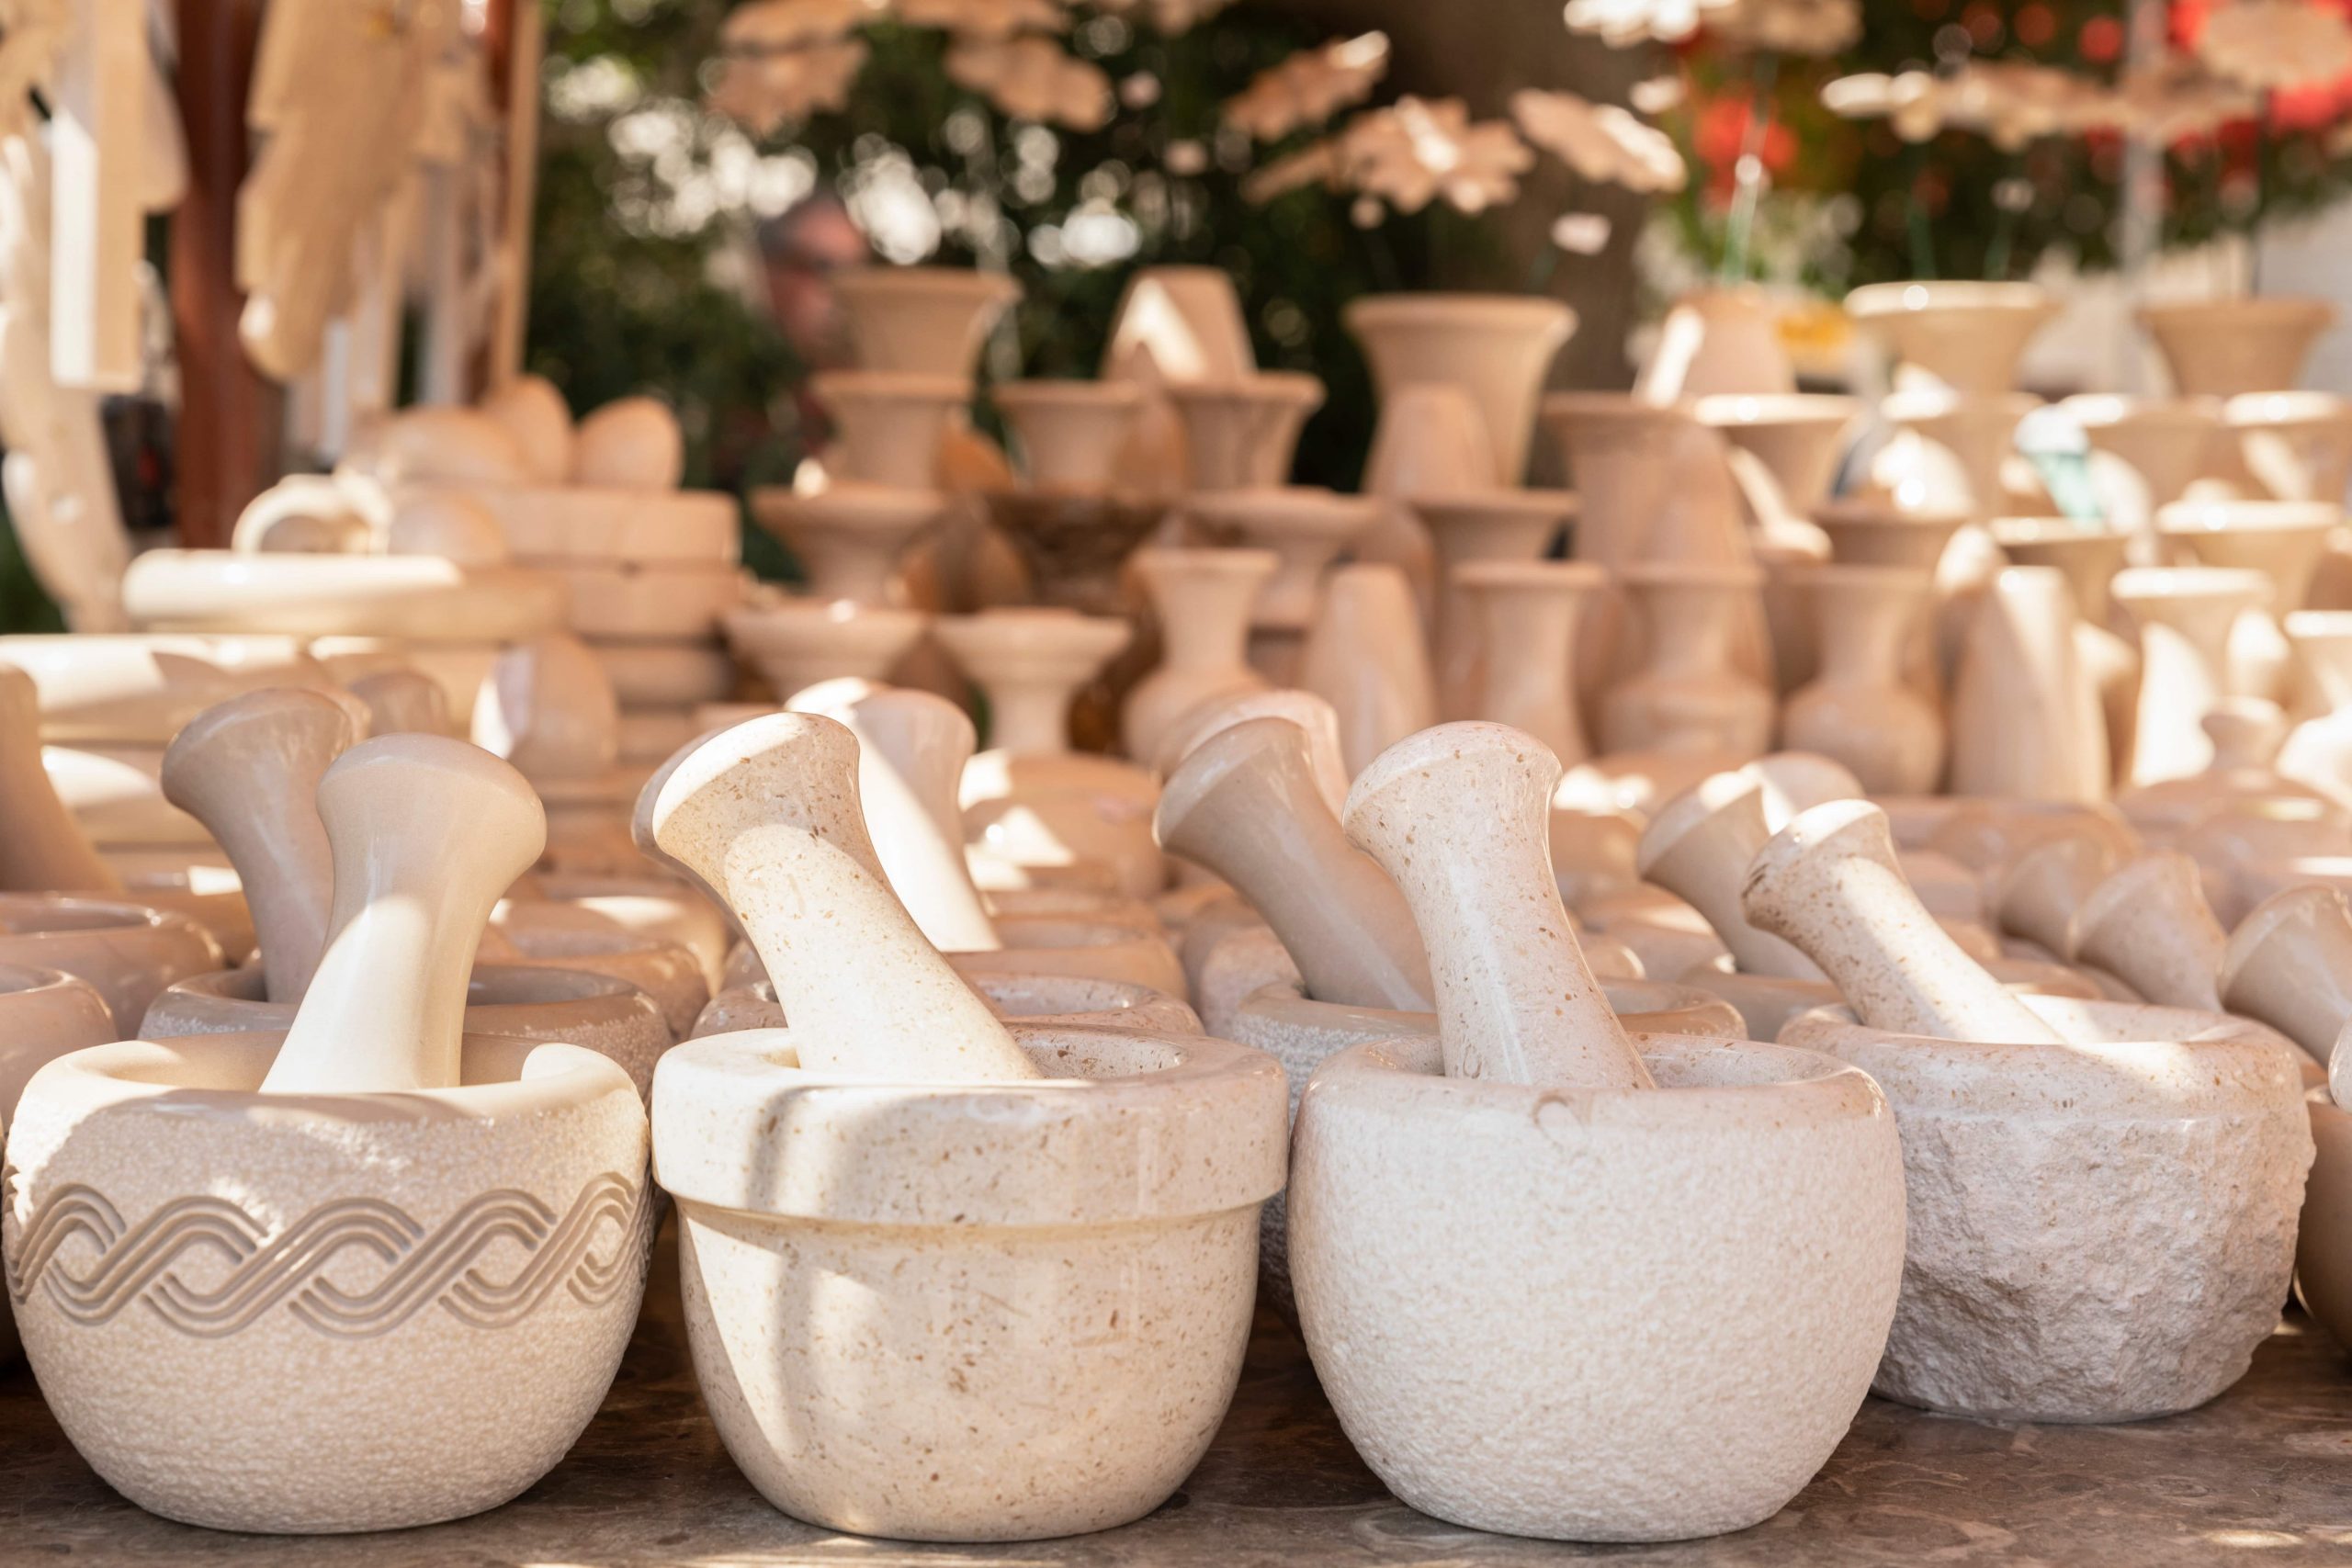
[139, 1264]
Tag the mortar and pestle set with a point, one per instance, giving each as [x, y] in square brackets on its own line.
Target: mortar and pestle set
[1327, 954]
[1558, 1279]
[1698, 846]
[2103, 1195]
[946, 1277]
[250, 770]
[275, 1281]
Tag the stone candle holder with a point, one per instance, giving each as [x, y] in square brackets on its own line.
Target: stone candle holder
[898, 1135]
[417, 1233]
[2060, 1155]
[1440, 1278]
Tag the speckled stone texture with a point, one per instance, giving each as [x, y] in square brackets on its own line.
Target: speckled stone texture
[970, 1311]
[324, 1313]
[2258, 1476]
[2101, 1231]
[1301, 1034]
[1642, 1314]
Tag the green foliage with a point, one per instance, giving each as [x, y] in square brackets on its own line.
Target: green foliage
[621, 304]
[1856, 204]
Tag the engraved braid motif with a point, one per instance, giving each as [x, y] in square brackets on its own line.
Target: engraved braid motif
[135, 1263]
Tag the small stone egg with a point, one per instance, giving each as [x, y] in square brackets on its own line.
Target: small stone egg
[629, 444]
[441, 445]
[535, 416]
[448, 524]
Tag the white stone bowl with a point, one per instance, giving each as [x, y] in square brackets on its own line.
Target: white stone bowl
[970, 1311]
[511, 1001]
[1301, 1033]
[128, 952]
[307, 1314]
[2099, 1232]
[1596, 1315]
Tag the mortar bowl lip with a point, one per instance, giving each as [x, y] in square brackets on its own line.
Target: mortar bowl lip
[1794, 1087]
[511, 1084]
[1286, 1002]
[2156, 1063]
[497, 994]
[1195, 1125]
[1093, 1002]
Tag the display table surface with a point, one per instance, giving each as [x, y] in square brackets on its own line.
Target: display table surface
[2261, 1476]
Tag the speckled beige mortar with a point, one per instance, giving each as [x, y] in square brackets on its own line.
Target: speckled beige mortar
[1300, 1033]
[2101, 1231]
[986, 1311]
[276, 1425]
[517, 1001]
[1642, 1314]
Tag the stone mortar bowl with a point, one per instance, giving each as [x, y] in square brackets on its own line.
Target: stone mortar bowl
[511, 1001]
[1032, 998]
[127, 951]
[987, 1310]
[1301, 1033]
[2101, 1231]
[43, 1014]
[2324, 1243]
[551, 934]
[307, 1314]
[1596, 1315]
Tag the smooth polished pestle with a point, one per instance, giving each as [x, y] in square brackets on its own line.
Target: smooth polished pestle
[1318, 720]
[249, 770]
[2149, 925]
[1245, 803]
[43, 848]
[1459, 816]
[768, 814]
[911, 749]
[1699, 847]
[428, 833]
[2290, 964]
[1830, 884]
[403, 702]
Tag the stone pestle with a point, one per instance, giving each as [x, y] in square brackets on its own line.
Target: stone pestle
[426, 833]
[249, 770]
[1699, 847]
[911, 748]
[2289, 966]
[44, 849]
[403, 702]
[2148, 923]
[1246, 803]
[1828, 883]
[1314, 716]
[2040, 894]
[768, 814]
[1459, 816]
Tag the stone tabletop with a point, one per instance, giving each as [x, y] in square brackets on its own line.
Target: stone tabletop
[2261, 1476]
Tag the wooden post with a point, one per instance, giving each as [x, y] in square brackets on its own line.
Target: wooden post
[517, 35]
[226, 412]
